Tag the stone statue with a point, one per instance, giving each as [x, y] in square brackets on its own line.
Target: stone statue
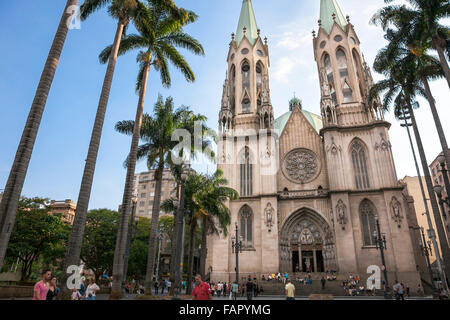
[269, 214]
[340, 211]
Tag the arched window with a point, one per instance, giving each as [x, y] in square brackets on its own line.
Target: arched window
[246, 173]
[245, 86]
[367, 213]
[360, 166]
[347, 91]
[246, 225]
[358, 69]
[259, 76]
[259, 83]
[233, 89]
[330, 77]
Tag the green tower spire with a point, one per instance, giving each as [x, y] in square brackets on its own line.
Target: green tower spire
[327, 9]
[247, 20]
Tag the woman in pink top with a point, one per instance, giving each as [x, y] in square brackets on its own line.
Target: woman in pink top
[41, 288]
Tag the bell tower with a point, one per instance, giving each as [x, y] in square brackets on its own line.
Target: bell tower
[246, 100]
[345, 78]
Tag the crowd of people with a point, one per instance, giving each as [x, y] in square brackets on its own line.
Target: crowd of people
[47, 289]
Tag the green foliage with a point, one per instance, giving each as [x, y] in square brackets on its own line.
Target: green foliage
[99, 240]
[160, 33]
[37, 236]
[404, 62]
[157, 130]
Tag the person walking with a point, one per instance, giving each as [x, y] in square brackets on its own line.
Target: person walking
[53, 290]
[249, 288]
[290, 291]
[41, 288]
[234, 290]
[162, 285]
[156, 286]
[202, 291]
[92, 290]
[286, 277]
[323, 281]
[398, 290]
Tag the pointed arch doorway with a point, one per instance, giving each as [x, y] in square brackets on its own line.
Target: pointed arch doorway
[307, 243]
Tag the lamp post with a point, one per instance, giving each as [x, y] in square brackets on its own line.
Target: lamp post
[129, 236]
[236, 247]
[179, 207]
[380, 241]
[406, 117]
[427, 251]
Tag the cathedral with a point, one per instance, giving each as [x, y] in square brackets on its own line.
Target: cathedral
[312, 187]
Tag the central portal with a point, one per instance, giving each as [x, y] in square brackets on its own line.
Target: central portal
[306, 243]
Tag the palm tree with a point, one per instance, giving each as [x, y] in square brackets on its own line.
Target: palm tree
[423, 25]
[217, 216]
[401, 47]
[122, 11]
[401, 87]
[160, 32]
[14, 185]
[156, 132]
[205, 198]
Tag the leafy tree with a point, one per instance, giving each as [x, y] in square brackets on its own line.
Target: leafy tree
[97, 251]
[36, 236]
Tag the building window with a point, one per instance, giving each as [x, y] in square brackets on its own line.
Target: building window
[144, 187]
[152, 194]
[360, 166]
[367, 212]
[347, 91]
[246, 225]
[246, 87]
[150, 203]
[142, 203]
[330, 77]
[246, 173]
[143, 195]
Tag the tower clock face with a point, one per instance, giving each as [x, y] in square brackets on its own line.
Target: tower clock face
[301, 166]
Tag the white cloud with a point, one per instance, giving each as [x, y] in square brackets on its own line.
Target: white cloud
[285, 67]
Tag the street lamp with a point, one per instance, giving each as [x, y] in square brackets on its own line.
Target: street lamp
[380, 242]
[236, 247]
[179, 207]
[427, 251]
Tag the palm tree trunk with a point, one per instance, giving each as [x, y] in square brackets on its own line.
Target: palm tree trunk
[437, 122]
[191, 255]
[122, 235]
[442, 59]
[154, 228]
[14, 185]
[173, 252]
[434, 205]
[76, 235]
[204, 249]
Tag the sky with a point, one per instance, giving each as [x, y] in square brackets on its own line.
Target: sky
[57, 162]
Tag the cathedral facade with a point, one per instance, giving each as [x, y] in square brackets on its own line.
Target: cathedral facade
[312, 188]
